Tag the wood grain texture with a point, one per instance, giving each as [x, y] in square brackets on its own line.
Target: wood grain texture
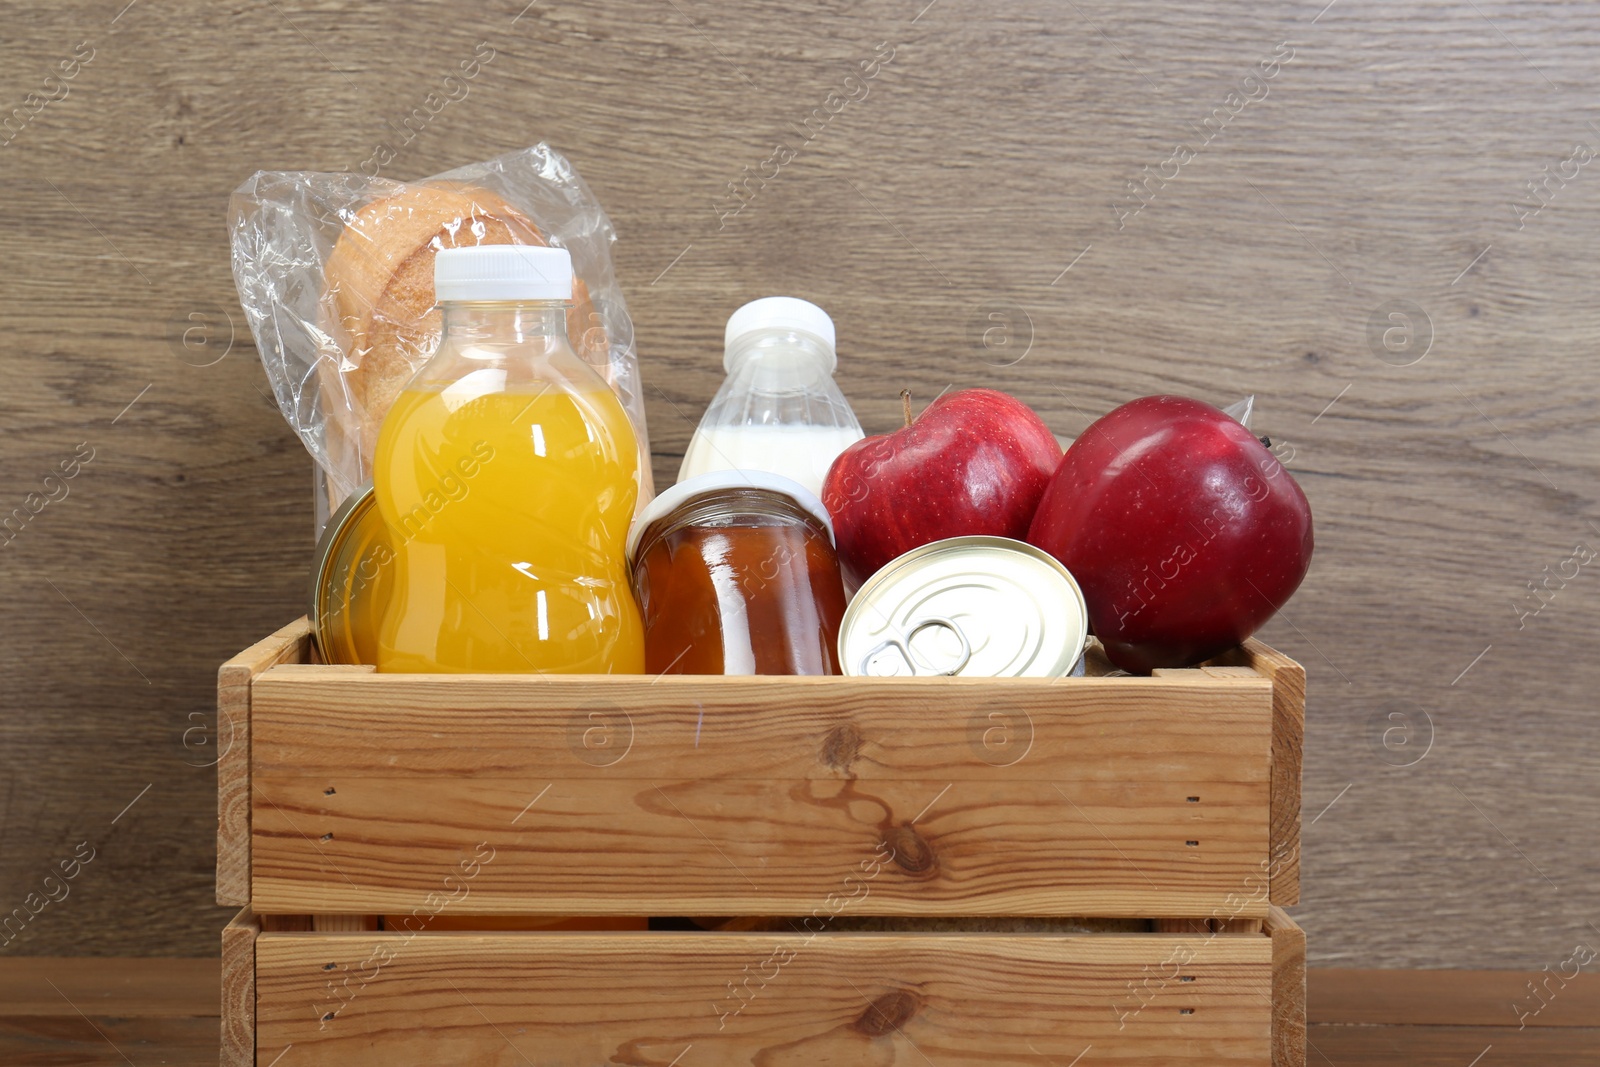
[292, 644]
[238, 983]
[1383, 165]
[107, 1041]
[1288, 760]
[157, 988]
[1455, 998]
[847, 998]
[729, 796]
[57, 1012]
[1288, 989]
[1359, 1018]
[1452, 1046]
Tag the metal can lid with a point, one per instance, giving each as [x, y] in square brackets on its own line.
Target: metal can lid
[979, 607]
[351, 581]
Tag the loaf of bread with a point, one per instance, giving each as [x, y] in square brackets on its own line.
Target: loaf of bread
[380, 284]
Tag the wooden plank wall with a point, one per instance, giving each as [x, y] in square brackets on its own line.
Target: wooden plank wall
[979, 190]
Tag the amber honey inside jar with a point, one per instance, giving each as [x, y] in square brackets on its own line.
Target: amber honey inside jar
[735, 573]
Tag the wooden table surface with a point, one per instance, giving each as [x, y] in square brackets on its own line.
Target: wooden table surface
[88, 1011]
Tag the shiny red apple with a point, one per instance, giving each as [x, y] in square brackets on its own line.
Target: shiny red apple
[974, 462]
[1184, 532]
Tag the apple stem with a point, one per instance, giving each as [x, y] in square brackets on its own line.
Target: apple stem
[905, 401]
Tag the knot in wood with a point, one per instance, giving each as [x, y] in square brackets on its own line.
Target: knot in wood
[912, 852]
[841, 747]
[888, 1013]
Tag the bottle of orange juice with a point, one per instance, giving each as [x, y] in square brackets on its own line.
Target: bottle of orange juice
[506, 475]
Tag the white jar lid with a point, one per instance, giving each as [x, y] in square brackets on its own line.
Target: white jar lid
[502, 272]
[777, 313]
[718, 481]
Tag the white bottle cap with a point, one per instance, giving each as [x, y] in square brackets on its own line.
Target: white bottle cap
[502, 272]
[777, 313]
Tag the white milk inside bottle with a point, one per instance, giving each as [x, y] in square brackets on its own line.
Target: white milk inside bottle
[779, 409]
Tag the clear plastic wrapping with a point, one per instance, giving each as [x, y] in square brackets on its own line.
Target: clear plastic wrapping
[335, 275]
[1241, 410]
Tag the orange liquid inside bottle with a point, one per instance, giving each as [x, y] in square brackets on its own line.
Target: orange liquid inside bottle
[506, 474]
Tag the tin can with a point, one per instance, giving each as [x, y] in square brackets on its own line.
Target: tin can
[351, 581]
[979, 607]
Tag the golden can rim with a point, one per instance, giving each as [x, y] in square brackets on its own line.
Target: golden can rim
[341, 524]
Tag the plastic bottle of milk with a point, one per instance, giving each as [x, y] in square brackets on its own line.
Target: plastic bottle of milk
[779, 409]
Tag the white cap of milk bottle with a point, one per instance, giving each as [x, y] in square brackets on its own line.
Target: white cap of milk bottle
[779, 409]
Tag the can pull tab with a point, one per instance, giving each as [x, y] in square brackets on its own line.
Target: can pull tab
[902, 645]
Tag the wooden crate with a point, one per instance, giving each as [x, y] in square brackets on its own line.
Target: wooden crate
[654, 999]
[343, 791]
[441, 801]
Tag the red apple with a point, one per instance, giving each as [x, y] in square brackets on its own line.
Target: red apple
[1184, 532]
[974, 462]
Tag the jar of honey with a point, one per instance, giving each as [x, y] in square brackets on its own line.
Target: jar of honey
[735, 573]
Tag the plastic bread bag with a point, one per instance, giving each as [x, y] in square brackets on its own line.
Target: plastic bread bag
[1241, 410]
[335, 275]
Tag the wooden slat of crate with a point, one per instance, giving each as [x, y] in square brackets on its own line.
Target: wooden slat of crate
[1288, 989]
[289, 645]
[760, 796]
[661, 847]
[238, 1047]
[1288, 754]
[658, 998]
